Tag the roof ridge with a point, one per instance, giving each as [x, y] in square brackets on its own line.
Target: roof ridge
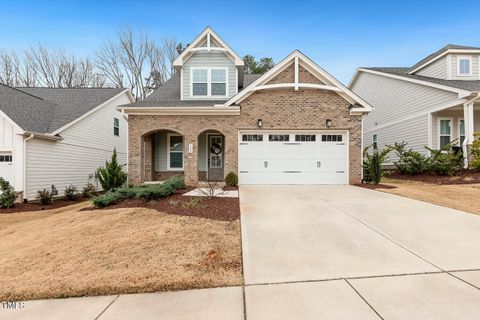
[20, 88]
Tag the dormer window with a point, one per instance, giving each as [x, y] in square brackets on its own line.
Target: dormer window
[209, 82]
[464, 66]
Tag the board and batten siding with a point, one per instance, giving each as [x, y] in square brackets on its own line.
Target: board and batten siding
[11, 140]
[209, 59]
[86, 145]
[437, 69]
[400, 109]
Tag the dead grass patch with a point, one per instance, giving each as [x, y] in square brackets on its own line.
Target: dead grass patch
[69, 252]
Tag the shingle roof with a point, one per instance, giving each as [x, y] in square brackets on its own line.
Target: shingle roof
[439, 52]
[168, 95]
[45, 110]
[469, 85]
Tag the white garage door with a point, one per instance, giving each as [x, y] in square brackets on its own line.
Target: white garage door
[6, 166]
[293, 158]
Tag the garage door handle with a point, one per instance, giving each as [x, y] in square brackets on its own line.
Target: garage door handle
[340, 171]
[265, 164]
[292, 143]
[243, 171]
[292, 171]
[319, 164]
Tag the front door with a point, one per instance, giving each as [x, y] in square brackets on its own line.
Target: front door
[215, 157]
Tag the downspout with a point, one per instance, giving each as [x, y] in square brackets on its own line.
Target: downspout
[25, 164]
[467, 141]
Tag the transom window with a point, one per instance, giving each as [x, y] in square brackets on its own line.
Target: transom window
[175, 152]
[116, 127]
[332, 138]
[278, 137]
[464, 66]
[252, 137]
[305, 137]
[445, 132]
[209, 82]
[5, 158]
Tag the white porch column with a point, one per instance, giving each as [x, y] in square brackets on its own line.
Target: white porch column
[469, 130]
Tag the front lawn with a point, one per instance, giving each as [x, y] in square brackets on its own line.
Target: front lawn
[74, 251]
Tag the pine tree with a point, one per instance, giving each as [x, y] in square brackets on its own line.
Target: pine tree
[111, 176]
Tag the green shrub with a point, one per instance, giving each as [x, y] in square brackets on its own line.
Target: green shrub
[107, 199]
[410, 162]
[176, 182]
[8, 194]
[444, 161]
[89, 190]
[127, 192]
[44, 196]
[476, 151]
[372, 164]
[155, 192]
[231, 179]
[71, 192]
[111, 176]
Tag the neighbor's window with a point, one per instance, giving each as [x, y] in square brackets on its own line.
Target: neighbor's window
[175, 152]
[200, 82]
[116, 127]
[375, 140]
[464, 65]
[445, 132]
[305, 137]
[278, 137]
[218, 82]
[461, 131]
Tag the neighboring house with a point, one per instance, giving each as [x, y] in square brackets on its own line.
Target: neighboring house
[59, 136]
[432, 103]
[295, 124]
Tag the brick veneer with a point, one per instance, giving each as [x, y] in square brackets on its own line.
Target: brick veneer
[279, 109]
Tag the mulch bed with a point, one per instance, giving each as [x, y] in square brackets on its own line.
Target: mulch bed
[460, 177]
[213, 208]
[373, 187]
[35, 206]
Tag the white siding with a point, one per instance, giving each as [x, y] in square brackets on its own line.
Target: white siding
[11, 139]
[85, 147]
[474, 66]
[437, 69]
[209, 59]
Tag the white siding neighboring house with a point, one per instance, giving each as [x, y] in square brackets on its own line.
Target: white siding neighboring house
[59, 136]
[429, 104]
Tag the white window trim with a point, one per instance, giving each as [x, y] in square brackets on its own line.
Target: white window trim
[469, 58]
[439, 119]
[375, 141]
[169, 135]
[209, 82]
[118, 120]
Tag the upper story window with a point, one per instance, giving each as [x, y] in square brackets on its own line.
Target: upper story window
[209, 82]
[464, 66]
[116, 127]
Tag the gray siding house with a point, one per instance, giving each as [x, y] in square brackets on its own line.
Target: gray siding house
[433, 103]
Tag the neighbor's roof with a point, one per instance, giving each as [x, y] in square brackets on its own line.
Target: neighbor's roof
[44, 110]
[439, 52]
[470, 85]
[168, 95]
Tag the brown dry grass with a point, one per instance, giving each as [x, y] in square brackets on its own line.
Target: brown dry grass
[457, 196]
[66, 252]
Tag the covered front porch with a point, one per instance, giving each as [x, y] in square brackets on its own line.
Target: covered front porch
[456, 125]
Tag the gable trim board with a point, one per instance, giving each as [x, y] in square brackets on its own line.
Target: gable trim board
[13, 123]
[442, 55]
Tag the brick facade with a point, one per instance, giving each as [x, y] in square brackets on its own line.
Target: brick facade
[278, 109]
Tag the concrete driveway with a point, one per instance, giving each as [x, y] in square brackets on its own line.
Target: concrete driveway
[383, 256]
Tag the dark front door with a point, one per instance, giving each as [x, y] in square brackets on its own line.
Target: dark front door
[215, 157]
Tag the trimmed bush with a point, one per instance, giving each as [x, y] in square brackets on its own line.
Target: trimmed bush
[410, 162]
[8, 194]
[176, 182]
[89, 190]
[111, 176]
[44, 196]
[372, 164]
[155, 192]
[476, 151]
[71, 192]
[444, 161]
[107, 199]
[231, 179]
[127, 192]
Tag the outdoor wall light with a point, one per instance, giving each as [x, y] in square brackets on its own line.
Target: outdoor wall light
[259, 123]
[328, 123]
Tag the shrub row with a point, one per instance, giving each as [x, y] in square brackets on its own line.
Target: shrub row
[145, 192]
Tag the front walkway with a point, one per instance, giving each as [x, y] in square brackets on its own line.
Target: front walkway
[322, 252]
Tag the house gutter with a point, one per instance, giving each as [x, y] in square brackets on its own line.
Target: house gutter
[30, 136]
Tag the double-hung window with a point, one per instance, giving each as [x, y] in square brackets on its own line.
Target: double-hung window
[375, 141]
[175, 152]
[445, 132]
[461, 131]
[464, 66]
[209, 82]
[116, 127]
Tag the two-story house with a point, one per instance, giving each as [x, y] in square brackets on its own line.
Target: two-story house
[433, 103]
[295, 124]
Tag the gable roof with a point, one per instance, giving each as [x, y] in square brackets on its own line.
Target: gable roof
[438, 54]
[208, 34]
[297, 57]
[45, 110]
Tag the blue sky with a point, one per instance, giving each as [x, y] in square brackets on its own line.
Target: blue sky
[338, 35]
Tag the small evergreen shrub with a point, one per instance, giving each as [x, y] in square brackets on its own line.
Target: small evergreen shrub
[444, 161]
[7, 195]
[71, 192]
[176, 182]
[231, 179]
[127, 192]
[111, 176]
[107, 199]
[373, 163]
[155, 192]
[410, 162]
[476, 151]
[89, 190]
[44, 196]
